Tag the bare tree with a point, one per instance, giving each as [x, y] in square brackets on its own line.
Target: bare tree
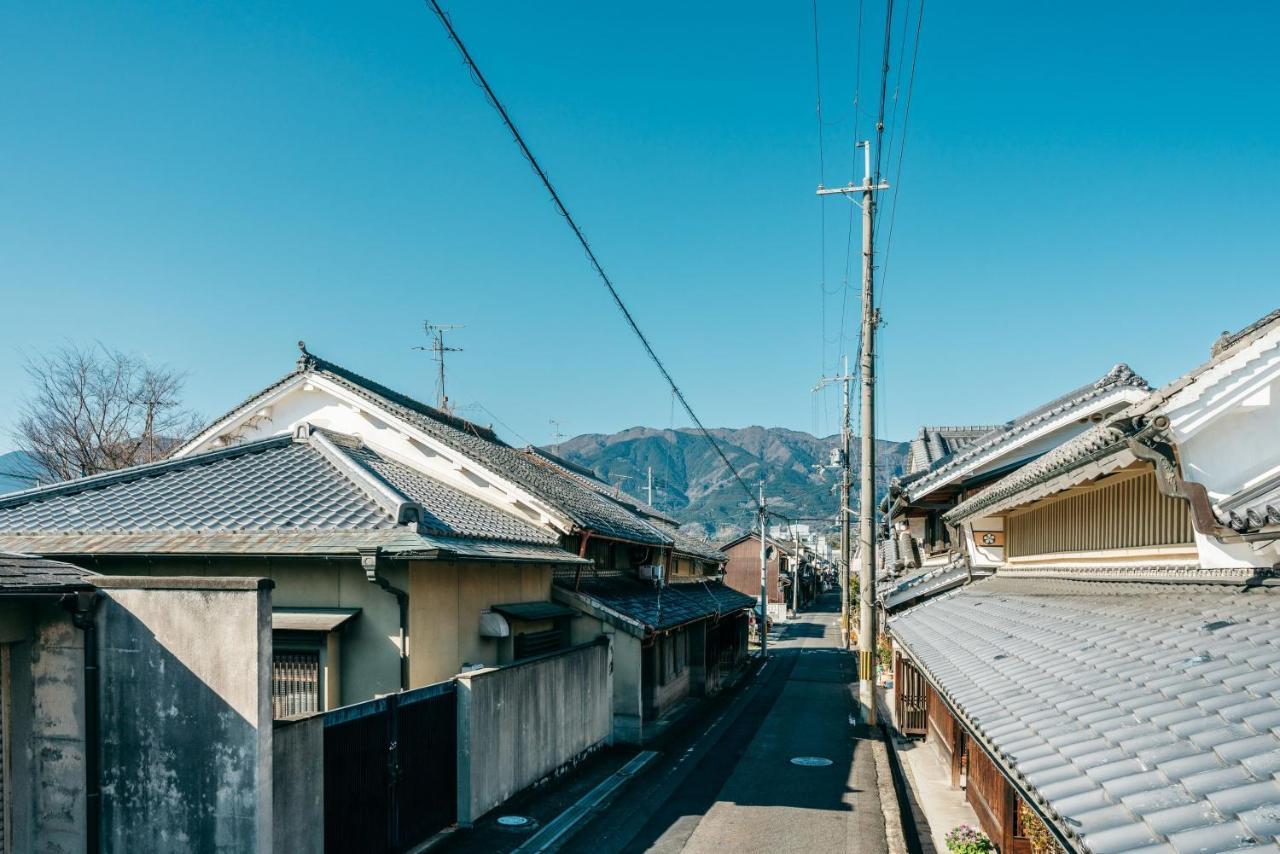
[94, 410]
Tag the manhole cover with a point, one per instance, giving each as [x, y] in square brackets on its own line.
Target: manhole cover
[514, 821]
[810, 761]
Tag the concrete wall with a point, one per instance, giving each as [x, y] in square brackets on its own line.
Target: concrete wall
[186, 714]
[445, 602]
[368, 654]
[46, 789]
[297, 784]
[521, 723]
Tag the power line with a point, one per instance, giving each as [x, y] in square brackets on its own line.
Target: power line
[582, 239]
[902, 146]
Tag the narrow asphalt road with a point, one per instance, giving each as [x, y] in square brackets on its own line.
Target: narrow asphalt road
[728, 784]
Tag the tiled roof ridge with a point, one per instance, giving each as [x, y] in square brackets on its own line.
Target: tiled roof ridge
[1229, 339]
[1154, 573]
[308, 361]
[1120, 376]
[132, 473]
[566, 463]
[1099, 441]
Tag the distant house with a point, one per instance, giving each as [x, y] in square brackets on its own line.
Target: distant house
[1115, 679]
[742, 571]
[677, 631]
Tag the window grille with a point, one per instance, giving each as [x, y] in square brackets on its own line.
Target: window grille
[295, 684]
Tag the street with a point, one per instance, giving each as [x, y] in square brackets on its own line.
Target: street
[730, 784]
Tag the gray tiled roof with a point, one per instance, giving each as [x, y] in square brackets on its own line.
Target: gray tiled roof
[934, 444]
[689, 545]
[446, 511]
[641, 608]
[286, 494]
[24, 574]
[1119, 377]
[1133, 715]
[587, 508]
[926, 582]
[269, 485]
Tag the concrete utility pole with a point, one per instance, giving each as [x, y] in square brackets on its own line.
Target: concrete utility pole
[650, 486]
[867, 491]
[795, 573]
[846, 441]
[764, 581]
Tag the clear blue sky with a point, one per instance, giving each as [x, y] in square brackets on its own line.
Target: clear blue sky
[204, 184]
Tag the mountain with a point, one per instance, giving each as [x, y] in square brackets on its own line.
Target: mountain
[17, 471]
[693, 484]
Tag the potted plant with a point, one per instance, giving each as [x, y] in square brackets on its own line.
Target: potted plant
[967, 839]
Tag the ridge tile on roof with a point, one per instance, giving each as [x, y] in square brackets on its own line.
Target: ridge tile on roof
[1120, 376]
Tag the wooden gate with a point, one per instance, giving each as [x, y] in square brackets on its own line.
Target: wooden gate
[390, 770]
[910, 693]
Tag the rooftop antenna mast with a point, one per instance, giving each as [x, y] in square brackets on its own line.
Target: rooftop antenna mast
[435, 335]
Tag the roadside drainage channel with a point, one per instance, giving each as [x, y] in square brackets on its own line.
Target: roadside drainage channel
[560, 827]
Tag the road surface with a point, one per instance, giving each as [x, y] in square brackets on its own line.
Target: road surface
[725, 784]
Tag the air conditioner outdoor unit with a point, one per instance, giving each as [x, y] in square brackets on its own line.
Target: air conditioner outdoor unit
[651, 572]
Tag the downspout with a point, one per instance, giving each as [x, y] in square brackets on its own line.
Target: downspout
[82, 607]
[583, 538]
[370, 561]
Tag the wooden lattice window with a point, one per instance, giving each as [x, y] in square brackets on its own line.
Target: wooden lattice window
[295, 683]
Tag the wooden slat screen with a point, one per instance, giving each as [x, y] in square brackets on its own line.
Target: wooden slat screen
[987, 793]
[1128, 513]
[910, 698]
[295, 684]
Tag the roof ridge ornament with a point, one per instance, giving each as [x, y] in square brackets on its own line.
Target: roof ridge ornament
[1121, 374]
[306, 361]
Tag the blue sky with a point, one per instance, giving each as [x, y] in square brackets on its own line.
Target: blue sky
[204, 184]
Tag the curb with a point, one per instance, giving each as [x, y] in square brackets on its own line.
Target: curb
[562, 825]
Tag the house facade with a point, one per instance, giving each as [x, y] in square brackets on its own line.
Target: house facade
[1113, 680]
[742, 570]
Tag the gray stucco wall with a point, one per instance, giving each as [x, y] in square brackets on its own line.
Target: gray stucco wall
[298, 784]
[521, 723]
[369, 660]
[47, 789]
[186, 714]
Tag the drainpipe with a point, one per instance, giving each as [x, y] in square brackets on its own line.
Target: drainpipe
[370, 560]
[582, 552]
[82, 606]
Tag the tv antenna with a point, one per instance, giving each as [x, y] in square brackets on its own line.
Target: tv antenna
[435, 336]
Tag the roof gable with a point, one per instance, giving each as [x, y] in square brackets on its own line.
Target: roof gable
[466, 456]
[1028, 435]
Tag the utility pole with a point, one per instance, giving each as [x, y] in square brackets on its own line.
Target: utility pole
[795, 573]
[435, 335]
[867, 491]
[764, 581]
[650, 486]
[846, 442]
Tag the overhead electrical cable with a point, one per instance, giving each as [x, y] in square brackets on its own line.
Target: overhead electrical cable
[483, 83]
[902, 145]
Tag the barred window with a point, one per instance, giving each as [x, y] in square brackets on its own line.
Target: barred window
[295, 683]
